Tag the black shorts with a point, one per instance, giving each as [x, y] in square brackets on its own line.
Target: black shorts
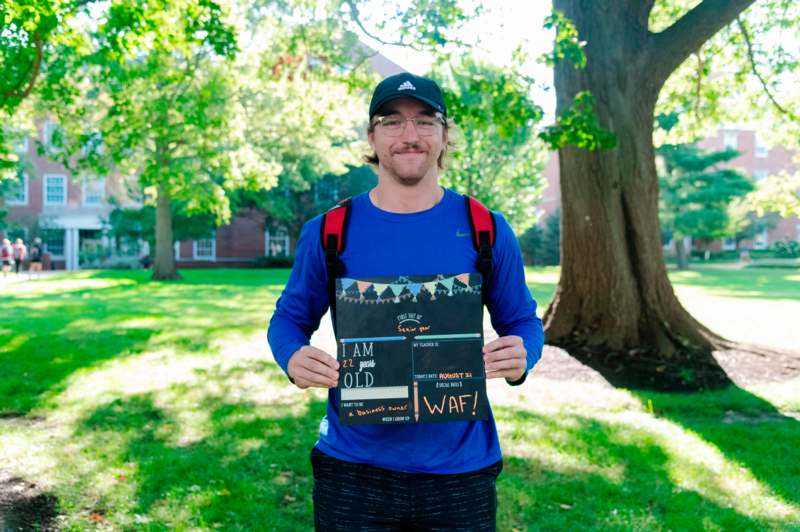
[350, 496]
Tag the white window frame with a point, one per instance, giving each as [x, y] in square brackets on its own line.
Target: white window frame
[47, 134]
[762, 151]
[45, 178]
[730, 140]
[213, 256]
[63, 244]
[177, 247]
[102, 191]
[25, 189]
[729, 244]
[758, 175]
[21, 146]
[267, 247]
[761, 240]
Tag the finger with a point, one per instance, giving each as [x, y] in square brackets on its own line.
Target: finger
[319, 368]
[311, 378]
[510, 364]
[322, 356]
[504, 354]
[505, 374]
[500, 343]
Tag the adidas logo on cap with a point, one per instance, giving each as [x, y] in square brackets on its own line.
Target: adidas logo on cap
[406, 86]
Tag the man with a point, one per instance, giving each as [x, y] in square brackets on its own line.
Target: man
[6, 256]
[20, 253]
[425, 475]
[36, 257]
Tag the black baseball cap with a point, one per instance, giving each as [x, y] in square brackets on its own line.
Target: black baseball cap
[407, 85]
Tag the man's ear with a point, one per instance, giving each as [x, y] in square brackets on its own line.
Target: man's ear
[371, 139]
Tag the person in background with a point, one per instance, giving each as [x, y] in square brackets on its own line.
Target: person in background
[36, 253]
[20, 253]
[6, 256]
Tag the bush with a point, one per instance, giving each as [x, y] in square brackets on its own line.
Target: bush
[787, 249]
[275, 262]
[541, 246]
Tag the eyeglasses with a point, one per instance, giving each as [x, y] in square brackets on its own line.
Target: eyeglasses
[395, 125]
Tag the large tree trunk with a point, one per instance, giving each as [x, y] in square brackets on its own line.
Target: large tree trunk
[614, 308]
[164, 263]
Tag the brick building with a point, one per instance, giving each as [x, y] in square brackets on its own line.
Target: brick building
[756, 160]
[70, 212]
[65, 210]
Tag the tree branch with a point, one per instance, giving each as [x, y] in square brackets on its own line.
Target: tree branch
[357, 19]
[35, 68]
[752, 58]
[666, 50]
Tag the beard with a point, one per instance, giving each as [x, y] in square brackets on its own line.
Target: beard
[410, 173]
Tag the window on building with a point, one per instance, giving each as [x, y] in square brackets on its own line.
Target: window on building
[93, 144]
[729, 244]
[55, 190]
[730, 140]
[206, 248]
[21, 145]
[762, 240]
[53, 240]
[277, 242]
[94, 191]
[760, 174]
[761, 149]
[17, 193]
[51, 136]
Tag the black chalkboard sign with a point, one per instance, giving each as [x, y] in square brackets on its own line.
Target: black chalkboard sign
[410, 349]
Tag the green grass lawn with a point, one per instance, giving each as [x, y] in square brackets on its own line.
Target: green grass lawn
[156, 406]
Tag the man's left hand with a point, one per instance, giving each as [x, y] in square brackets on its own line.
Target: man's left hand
[505, 357]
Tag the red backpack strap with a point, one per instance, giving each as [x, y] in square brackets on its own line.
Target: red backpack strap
[482, 222]
[484, 231]
[333, 237]
[334, 225]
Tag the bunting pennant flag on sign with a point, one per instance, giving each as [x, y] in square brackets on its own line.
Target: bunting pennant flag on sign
[404, 289]
[448, 283]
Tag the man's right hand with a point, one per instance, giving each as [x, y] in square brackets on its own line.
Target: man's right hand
[312, 367]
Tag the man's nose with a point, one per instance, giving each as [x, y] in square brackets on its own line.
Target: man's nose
[410, 133]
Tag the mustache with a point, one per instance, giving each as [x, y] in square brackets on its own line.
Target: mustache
[409, 146]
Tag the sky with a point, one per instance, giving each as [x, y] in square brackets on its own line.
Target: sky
[502, 27]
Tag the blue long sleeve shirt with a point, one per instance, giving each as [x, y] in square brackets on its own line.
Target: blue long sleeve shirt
[381, 243]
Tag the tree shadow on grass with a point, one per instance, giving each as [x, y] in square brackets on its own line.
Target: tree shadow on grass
[250, 470]
[570, 472]
[745, 428]
[49, 336]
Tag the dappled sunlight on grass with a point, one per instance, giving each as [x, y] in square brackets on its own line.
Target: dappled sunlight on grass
[142, 434]
[603, 461]
[96, 316]
[157, 405]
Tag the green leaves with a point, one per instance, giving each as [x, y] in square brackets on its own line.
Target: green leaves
[567, 45]
[497, 157]
[695, 192]
[578, 126]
